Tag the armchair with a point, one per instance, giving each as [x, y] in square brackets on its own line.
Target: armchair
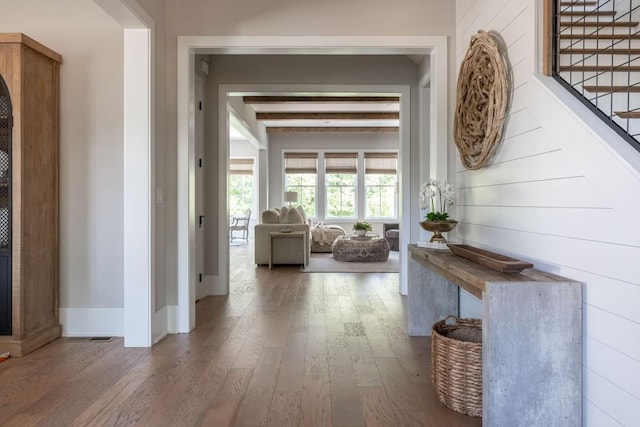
[240, 224]
[391, 232]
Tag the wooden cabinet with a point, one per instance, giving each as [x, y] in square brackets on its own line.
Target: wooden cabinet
[28, 194]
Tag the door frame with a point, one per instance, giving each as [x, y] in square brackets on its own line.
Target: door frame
[188, 46]
[143, 325]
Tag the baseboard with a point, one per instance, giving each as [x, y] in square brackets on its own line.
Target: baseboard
[91, 322]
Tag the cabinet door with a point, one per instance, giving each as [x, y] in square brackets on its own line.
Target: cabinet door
[5, 295]
[6, 127]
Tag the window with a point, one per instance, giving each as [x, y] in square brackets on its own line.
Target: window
[380, 185]
[340, 182]
[240, 185]
[301, 171]
[350, 185]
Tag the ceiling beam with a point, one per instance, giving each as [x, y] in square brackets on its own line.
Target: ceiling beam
[322, 129]
[328, 116]
[319, 99]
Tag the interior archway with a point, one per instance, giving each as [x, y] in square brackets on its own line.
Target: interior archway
[435, 47]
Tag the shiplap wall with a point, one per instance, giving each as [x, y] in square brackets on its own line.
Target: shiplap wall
[557, 195]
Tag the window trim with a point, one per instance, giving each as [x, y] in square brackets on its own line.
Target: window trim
[360, 187]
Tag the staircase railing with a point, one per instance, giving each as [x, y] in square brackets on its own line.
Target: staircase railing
[593, 49]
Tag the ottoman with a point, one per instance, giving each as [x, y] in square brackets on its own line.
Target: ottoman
[360, 249]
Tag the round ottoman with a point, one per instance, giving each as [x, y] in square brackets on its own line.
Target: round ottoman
[360, 249]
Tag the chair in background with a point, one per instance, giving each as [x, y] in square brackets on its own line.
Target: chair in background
[240, 224]
[391, 232]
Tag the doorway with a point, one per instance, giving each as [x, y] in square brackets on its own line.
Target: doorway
[434, 47]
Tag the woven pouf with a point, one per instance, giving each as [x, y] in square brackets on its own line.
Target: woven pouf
[360, 250]
[456, 364]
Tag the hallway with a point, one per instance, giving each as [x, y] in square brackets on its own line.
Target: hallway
[282, 349]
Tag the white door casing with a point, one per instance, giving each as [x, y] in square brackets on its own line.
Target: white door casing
[436, 47]
[201, 288]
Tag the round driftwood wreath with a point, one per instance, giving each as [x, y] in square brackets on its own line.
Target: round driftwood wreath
[482, 101]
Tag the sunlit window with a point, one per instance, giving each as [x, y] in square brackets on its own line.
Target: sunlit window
[301, 172]
[240, 184]
[340, 183]
[380, 185]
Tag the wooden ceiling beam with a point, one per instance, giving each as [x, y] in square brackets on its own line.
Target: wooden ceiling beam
[319, 99]
[321, 129]
[329, 116]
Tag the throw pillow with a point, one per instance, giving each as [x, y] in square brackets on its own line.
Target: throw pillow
[290, 216]
[303, 214]
[270, 216]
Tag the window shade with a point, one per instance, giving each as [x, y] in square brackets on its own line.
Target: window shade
[380, 163]
[301, 162]
[241, 166]
[341, 162]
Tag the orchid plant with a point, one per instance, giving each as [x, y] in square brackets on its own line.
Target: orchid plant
[436, 196]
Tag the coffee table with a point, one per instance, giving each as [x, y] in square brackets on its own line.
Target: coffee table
[360, 249]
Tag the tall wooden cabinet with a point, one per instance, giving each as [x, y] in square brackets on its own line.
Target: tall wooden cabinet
[29, 116]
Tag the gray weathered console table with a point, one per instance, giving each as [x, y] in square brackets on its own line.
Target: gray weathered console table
[532, 335]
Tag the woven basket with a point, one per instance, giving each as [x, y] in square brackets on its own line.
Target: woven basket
[456, 364]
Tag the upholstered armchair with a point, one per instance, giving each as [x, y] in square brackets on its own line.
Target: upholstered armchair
[391, 232]
[240, 224]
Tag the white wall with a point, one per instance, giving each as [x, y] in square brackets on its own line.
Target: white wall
[91, 146]
[561, 197]
[165, 180]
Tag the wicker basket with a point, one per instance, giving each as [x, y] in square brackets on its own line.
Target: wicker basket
[456, 364]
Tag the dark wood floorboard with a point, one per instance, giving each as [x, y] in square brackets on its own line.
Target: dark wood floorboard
[284, 348]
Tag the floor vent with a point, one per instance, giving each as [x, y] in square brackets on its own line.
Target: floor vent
[104, 339]
[100, 339]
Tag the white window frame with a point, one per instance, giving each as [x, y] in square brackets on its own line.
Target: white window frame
[360, 187]
[394, 186]
[254, 183]
[347, 154]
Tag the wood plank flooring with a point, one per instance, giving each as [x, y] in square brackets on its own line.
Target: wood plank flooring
[283, 349]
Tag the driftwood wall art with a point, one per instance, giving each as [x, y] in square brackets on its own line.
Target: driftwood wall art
[483, 90]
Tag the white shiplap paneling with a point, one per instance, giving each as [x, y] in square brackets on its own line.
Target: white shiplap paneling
[559, 196]
[622, 407]
[572, 192]
[604, 361]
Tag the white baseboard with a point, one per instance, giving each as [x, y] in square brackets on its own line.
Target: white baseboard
[91, 322]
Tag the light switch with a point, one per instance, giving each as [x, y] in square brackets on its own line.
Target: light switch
[159, 196]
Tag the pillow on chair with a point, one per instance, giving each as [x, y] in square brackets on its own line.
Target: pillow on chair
[290, 216]
[270, 216]
[303, 214]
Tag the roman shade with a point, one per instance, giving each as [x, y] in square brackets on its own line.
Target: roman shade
[381, 163]
[301, 162]
[241, 166]
[341, 162]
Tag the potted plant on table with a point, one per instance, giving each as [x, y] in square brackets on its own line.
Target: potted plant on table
[437, 196]
[361, 228]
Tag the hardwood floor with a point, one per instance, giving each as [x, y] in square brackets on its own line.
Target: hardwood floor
[283, 349]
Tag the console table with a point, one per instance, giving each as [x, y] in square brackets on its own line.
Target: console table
[531, 332]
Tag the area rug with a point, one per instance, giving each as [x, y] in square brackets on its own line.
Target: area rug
[324, 263]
